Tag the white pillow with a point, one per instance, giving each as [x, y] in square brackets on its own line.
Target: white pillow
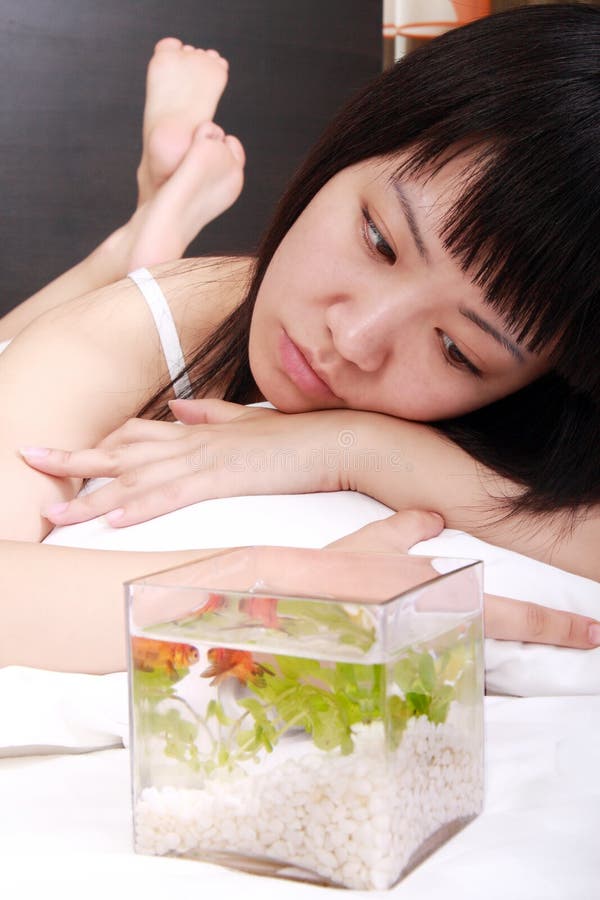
[61, 712]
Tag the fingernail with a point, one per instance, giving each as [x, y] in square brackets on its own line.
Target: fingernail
[34, 452]
[114, 515]
[56, 509]
[594, 635]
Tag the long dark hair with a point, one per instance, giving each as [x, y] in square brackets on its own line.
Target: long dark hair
[521, 91]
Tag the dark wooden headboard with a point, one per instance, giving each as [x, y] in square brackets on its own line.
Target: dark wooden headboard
[71, 96]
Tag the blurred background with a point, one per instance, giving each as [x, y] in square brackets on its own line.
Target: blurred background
[72, 76]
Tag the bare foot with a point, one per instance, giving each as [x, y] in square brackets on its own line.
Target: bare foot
[208, 181]
[183, 88]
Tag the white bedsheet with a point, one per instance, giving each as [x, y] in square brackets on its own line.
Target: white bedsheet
[65, 827]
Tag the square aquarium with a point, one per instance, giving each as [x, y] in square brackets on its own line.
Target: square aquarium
[309, 714]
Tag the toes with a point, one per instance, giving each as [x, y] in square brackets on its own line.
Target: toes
[168, 43]
[188, 48]
[216, 55]
[209, 130]
[236, 148]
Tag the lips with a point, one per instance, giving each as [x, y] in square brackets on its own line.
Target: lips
[309, 359]
[296, 366]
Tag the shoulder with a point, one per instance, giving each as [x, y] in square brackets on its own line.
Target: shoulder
[196, 290]
[202, 292]
[105, 344]
[115, 326]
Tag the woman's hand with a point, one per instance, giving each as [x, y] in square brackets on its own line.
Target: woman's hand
[504, 619]
[229, 451]
[233, 450]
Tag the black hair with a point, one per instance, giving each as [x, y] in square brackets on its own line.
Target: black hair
[521, 91]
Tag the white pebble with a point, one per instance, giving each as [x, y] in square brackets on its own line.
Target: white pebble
[354, 819]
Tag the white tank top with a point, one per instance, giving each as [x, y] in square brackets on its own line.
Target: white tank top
[167, 332]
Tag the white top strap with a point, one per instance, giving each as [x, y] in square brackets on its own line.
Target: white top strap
[165, 326]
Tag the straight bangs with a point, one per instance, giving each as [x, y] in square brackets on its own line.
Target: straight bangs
[526, 233]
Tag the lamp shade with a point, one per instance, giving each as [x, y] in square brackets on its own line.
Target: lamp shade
[425, 19]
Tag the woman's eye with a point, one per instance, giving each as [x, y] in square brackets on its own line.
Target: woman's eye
[454, 356]
[374, 240]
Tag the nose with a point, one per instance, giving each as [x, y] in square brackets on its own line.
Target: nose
[364, 329]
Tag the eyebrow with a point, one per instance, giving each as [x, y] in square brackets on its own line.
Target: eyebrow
[498, 336]
[409, 212]
[470, 314]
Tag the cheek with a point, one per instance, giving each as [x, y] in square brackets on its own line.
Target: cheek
[423, 392]
[258, 343]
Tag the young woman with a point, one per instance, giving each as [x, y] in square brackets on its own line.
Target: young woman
[430, 261]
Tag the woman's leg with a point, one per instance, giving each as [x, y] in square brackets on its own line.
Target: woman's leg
[184, 86]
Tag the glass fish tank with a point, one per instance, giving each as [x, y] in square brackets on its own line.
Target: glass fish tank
[308, 714]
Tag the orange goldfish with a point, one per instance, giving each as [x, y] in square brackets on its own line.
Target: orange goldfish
[262, 608]
[225, 663]
[149, 654]
[215, 601]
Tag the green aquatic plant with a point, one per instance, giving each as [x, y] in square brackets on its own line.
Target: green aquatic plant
[322, 699]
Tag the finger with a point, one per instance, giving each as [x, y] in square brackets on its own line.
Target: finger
[101, 462]
[515, 620]
[141, 430]
[193, 412]
[145, 488]
[395, 534]
[46, 459]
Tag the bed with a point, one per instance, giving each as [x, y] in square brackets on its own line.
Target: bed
[64, 766]
[66, 821]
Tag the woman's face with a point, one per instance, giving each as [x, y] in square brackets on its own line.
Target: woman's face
[362, 288]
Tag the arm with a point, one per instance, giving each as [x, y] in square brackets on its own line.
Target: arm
[72, 374]
[63, 607]
[102, 267]
[403, 464]
[436, 474]
[80, 370]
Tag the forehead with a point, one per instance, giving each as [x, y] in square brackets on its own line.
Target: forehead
[442, 184]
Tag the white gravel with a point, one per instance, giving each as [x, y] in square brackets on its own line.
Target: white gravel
[353, 820]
